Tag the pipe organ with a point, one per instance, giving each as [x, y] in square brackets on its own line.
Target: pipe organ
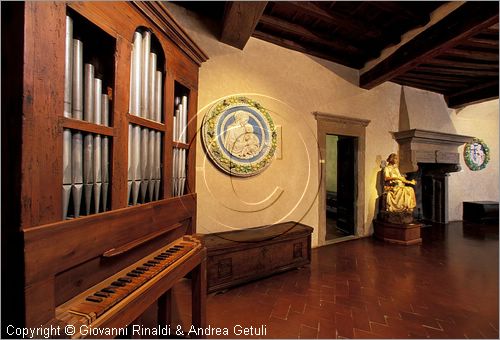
[104, 103]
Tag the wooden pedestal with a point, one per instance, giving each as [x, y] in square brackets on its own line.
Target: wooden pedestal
[406, 234]
[237, 257]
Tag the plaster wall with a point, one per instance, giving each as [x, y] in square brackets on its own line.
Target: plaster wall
[428, 111]
[481, 121]
[291, 86]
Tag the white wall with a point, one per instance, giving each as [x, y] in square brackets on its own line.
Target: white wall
[481, 121]
[291, 86]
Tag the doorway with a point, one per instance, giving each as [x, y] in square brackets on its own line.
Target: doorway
[348, 204]
[340, 186]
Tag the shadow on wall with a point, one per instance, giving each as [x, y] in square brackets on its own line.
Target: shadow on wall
[348, 74]
[378, 182]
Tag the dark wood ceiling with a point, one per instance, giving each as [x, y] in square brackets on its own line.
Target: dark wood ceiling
[456, 56]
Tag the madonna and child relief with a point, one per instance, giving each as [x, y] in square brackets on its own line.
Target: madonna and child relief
[239, 136]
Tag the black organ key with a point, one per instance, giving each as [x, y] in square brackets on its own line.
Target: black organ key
[125, 279]
[147, 264]
[93, 299]
[118, 283]
[108, 290]
[101, 294]
[144, 269]
[153, 262]
[131, 274]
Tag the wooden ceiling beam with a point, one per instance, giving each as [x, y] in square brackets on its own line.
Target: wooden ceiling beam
[434, 77]
[466, 21]
[463, 63]
[457, 71]
[240, 20]
[394, 7]
[473, 95]
[289, 27]
[338, 19]
[473, 54]
[420, 85]
[492, 43]
[293, 45]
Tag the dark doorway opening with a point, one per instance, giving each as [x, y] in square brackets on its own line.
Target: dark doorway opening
[340, 186]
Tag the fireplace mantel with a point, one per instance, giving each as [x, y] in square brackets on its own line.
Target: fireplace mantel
[424, 146]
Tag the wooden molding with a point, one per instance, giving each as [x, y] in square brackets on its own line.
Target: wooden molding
[157, 12]
[461, 24]
[85, 126]
[240, 20]
[473, 95]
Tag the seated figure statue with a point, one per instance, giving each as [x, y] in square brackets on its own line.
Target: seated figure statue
[398, 196]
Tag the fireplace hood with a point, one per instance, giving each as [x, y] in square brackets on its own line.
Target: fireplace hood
[424, 146]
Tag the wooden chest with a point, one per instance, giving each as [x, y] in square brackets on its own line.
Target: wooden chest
[236, 257]
[480, 211]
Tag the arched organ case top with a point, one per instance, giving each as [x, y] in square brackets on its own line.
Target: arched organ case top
[71, 155]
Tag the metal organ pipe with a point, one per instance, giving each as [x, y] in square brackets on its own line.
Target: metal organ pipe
[68, 68]
[68, 93]
[146, 48]
[88, 94]
[159, 95]
[97, 175]
[136, 169]
[152, 84]
[88, 142]
[136, 75]
[144, 147]
[184, 119]
[85, 155]
[77, 137]
[157, 165]
[144, 163]
[151, 164]
[77, 79]
[77, 171]
[66, 171]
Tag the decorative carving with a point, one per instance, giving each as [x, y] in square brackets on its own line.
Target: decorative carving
[239, 136]
[225, 268]
[476, 154]
[297, 250]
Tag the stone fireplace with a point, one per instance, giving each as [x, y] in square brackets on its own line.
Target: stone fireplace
[429, 157]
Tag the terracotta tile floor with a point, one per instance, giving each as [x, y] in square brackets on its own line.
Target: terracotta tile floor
[445, 288]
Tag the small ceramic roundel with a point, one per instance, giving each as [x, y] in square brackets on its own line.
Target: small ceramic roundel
[476, 154]
[239, 136]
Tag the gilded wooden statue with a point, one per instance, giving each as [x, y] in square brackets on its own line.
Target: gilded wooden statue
[399, 197]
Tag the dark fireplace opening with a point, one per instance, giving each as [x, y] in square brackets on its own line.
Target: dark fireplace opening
[431, 191]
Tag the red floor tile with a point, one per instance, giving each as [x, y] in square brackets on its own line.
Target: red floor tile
[447, 287]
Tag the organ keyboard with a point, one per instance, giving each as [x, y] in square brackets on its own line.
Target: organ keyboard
[96, 306]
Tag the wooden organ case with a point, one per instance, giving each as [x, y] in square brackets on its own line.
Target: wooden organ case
[101, 163]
